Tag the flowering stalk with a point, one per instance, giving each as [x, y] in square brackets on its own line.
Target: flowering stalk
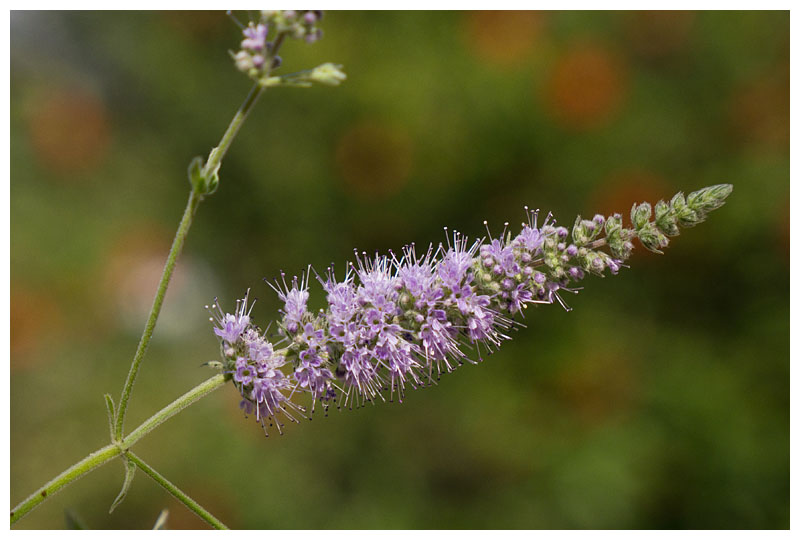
[172, 258]
[257, 57]
[205, 181]
[111, 451]
[400, 320]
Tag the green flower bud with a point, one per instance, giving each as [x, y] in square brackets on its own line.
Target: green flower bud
[580, 235]
[613, 224]
[196, 178]
[617, 245]
[708, 199]
[688, 218]
[493, 286]
[327, 73]
[640, 215]
[678, 203]
[661, 210]
[665, 219]
[652, 238]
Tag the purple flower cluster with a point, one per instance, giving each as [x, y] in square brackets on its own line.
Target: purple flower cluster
[254, 366]
[395, 321]
[257, 55]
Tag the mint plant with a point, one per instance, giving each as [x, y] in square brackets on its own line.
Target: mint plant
[393, 322]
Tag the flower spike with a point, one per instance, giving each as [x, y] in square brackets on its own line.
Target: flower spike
[395, 322]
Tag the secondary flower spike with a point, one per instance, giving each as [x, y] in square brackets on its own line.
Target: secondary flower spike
[400, 320]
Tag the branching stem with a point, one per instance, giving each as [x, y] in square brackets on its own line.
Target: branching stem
[108, 453]
[190, 503]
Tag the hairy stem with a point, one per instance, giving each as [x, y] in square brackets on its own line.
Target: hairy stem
[190, 503]
[93, 460]
[212, 164]
[169, 267]
[199, 391]
[120, 444]
[107, 453]
[216, 155]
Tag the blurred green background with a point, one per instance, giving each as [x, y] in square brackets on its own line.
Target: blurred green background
[661, 401]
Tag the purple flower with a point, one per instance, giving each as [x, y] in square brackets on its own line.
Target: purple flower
[530, 239]
[503, 255]
[267, 394]
[519, 297]
[311, 375]
[294, 300]
[378, 284]
[229, 326]
[454, 267]
[342, 301]
[575, 273]
[255, 37]
[417, 276]
[360, 373]
[437, 337]
[244, 372]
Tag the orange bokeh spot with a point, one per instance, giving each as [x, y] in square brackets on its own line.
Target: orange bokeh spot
[622, 189]
[599, 388]
[659, 34]
[586, 87]
[200, 25]
[69, 130]
[759, 110]
[35, 317]
[625, 187]
[503, 38]
[374, 161]
[133, 269]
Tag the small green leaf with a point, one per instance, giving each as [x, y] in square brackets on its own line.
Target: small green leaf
[130, 468]
[196, 177]
[212, 182]
[110, 411]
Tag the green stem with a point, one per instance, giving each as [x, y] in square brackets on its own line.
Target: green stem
[190, 503]
[212, 165]
[93, 460]
[173, 408]
[216, 155]
[107, 453]
[172, 258]
[218, 152]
